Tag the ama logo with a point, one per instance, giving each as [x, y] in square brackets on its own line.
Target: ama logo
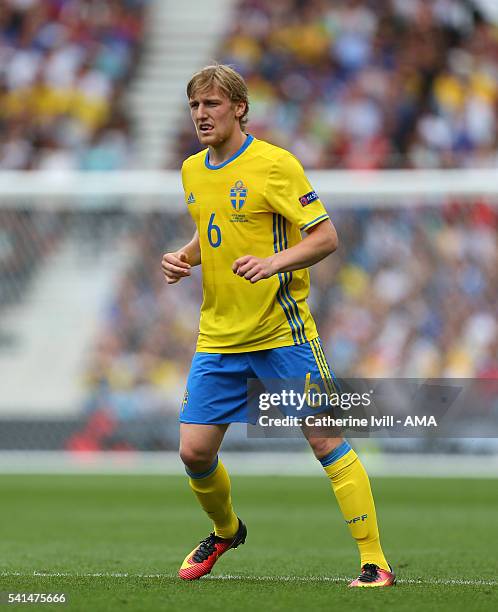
[238, 195]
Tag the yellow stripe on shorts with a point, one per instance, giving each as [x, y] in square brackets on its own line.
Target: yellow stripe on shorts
[319, 364]
[329, 374]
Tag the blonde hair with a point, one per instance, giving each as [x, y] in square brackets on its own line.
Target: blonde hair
[227, 79]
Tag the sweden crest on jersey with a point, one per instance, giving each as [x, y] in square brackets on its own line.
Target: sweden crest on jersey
[238, 195]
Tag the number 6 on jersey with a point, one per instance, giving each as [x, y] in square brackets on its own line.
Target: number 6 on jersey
[212, 228]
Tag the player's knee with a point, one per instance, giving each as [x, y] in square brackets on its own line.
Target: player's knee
[196, 459]
[322, 446]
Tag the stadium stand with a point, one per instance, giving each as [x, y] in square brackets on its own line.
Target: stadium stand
[411, 291]
[63, 67]
[364, 84]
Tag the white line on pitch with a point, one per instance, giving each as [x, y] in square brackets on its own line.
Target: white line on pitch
[430, 581]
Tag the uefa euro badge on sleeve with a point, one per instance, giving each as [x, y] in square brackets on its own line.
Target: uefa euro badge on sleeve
[307, 198]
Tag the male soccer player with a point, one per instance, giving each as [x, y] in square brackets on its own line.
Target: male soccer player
[250, 201]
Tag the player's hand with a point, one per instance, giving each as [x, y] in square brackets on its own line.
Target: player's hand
[175, 266]
[253, 268]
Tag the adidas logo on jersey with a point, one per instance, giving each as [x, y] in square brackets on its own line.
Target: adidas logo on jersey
[191, 199]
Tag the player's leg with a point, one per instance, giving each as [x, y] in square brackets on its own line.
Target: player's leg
[347, 475]
[208, 478]
[215, 397]
[352, 490]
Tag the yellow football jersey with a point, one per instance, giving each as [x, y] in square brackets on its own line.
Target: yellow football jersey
[255, 203]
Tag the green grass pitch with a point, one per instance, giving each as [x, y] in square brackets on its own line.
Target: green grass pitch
[117, 542]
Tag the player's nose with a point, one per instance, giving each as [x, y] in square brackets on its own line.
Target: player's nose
[201, 111]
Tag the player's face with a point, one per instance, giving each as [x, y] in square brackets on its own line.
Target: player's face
[215, 116]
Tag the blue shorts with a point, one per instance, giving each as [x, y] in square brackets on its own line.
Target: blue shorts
[217, 386]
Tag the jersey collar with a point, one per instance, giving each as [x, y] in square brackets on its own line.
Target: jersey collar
[244, 146]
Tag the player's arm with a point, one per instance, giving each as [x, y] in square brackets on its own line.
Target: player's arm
[178, 264]
[320, 242]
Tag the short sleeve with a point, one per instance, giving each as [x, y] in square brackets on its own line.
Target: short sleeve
[290, 194]
[183, 173]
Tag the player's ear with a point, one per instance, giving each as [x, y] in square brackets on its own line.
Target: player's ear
[240, 109]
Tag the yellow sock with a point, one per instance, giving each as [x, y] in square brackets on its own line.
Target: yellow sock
[351, 486]
[212, 489]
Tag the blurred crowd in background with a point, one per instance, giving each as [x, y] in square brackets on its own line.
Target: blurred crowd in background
[351, 84]
[148, 335]
[64, 65]
[343, 84]
[368, 84]
[410, 293]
